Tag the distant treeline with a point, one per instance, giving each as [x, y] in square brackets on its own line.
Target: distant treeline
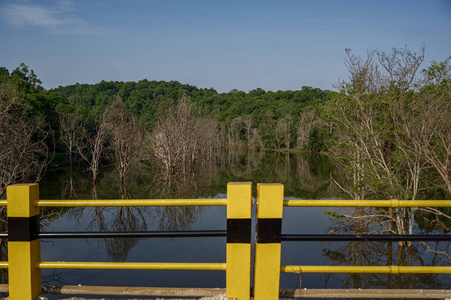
[260, 119]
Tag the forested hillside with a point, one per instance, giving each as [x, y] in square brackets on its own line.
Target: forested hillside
[258, 118]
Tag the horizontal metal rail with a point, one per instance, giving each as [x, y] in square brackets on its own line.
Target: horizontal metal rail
[131, 202]
[363, 237]
[3, 202]
[133, 234]
[3, 264]
[132, 266]
[367, 269]
[223, 233]
[366, 203]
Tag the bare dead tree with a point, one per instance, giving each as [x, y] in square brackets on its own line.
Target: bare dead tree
[181, 136]
[283, 132]
[91, 148]
[125, 136]
[248, 122]
[401, 66]
[24, 154]
[70, 128]
[307, 122]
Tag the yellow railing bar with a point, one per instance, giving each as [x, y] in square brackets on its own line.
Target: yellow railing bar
[132, 266]
[3, 264]
[132, 202]
[367, 269]
[367, 203]
[3, 202]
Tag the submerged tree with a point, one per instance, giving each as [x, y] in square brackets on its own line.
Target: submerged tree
[91, 148]
[307, 123]
[125, 136]
[182, 137]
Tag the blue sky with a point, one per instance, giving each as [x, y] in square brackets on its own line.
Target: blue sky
[274, 45]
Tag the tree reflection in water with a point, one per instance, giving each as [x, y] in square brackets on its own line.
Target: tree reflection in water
[148, 183]
[382, 254]
[302, 176]
[207, 179]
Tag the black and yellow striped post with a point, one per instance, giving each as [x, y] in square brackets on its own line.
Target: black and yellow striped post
[267, 241]
[238, 262]
[23, 245]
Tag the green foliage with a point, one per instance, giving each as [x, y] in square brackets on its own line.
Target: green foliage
[143, 98]
[318, 140]
[334, 215]
[32, 96]
[275, 115]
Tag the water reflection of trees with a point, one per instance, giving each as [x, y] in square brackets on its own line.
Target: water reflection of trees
[105, 219]
[65, 183]
[241, 162]
[386, 254]
[361, 221]
[147, 182]
[195, 183]
[302, 176]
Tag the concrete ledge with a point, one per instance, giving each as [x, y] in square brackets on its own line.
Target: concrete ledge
[219, 293]
[367, 293]
[132, 291]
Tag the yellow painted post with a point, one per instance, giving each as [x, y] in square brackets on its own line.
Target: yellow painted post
[238, 262]
[267, 241]
[23, 245]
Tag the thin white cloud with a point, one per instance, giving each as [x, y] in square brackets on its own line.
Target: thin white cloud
[55, 19]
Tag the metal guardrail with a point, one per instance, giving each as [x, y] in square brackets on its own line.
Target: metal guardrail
[24, 265]
[131, 202]
[269, 236]
[24, 240]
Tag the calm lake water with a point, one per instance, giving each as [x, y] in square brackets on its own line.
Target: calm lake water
[303, 177]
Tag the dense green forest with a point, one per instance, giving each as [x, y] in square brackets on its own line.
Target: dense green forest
[274, 115]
